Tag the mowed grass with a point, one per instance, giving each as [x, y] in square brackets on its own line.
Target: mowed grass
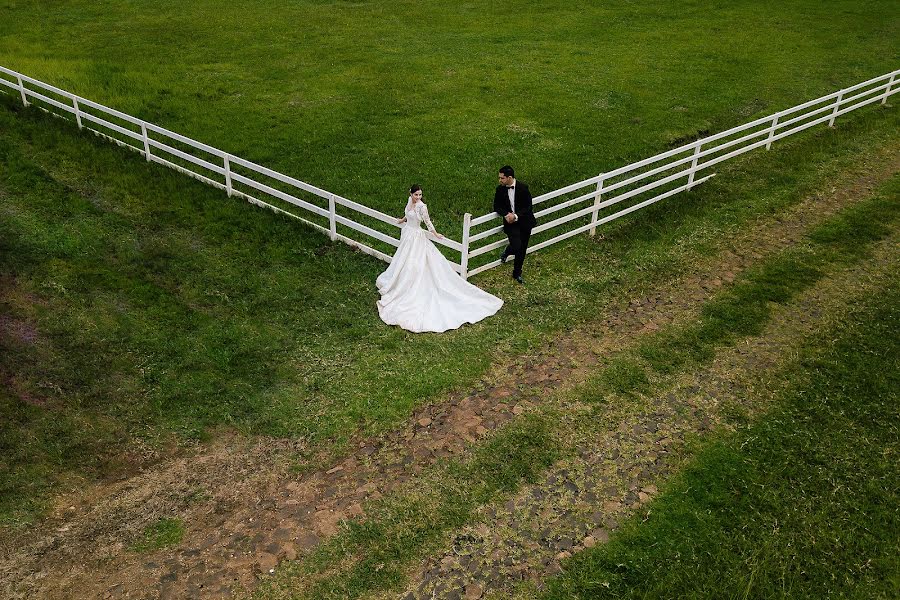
[802, 504]
[143, 308]
[363, 98]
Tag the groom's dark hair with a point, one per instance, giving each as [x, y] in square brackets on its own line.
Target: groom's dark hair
[508, 171]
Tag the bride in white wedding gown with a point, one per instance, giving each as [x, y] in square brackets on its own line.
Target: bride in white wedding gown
[420, 291]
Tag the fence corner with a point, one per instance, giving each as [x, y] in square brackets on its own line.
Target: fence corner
[596, 211]
[332, 218]
[464, 253]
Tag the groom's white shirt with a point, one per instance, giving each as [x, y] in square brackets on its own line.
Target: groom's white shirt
[511, 191]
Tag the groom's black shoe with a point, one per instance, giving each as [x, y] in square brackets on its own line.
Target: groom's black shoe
[519, 279]
[504, 255]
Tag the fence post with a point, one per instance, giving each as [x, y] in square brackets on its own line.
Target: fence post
[887, 91]
[22, 90]
[332, 223]
[690, 182]
[597, 200]
[228, 189]
[464, 253]
[146, 140]
[772, 132]
[837, 106]
[77, 111]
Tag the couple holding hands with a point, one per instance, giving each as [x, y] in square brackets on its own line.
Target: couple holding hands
[420, 290]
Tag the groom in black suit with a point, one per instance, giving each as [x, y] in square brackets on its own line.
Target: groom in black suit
[512, 201]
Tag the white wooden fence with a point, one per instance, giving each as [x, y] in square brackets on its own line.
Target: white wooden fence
[237, 176]
[650, 180]
[579, 205]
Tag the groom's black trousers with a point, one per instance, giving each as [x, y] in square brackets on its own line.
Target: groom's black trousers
[518, 245]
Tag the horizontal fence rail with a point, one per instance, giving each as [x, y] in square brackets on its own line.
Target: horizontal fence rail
[236, 176]
[577, 208]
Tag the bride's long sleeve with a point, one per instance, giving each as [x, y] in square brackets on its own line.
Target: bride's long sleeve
[423, 212]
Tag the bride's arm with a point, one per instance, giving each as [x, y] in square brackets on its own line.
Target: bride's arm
[427, 220]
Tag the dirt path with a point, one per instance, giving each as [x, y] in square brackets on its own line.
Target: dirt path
[244, 509]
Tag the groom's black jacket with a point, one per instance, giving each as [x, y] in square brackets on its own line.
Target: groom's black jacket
[523, 205]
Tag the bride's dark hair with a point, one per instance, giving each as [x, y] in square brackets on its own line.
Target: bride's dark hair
[414, 188]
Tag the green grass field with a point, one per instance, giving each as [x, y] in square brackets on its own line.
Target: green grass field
[363, 98]
[162, 310]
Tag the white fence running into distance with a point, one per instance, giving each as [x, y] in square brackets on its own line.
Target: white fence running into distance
[577, 208]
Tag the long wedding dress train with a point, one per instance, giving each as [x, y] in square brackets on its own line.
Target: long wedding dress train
[420, 291]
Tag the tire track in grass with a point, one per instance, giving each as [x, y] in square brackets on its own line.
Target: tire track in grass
[800, 503]
[529, 534]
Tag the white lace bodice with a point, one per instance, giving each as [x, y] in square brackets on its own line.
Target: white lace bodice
[418, 214]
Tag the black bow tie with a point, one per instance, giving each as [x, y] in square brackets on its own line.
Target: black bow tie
[512, 187]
